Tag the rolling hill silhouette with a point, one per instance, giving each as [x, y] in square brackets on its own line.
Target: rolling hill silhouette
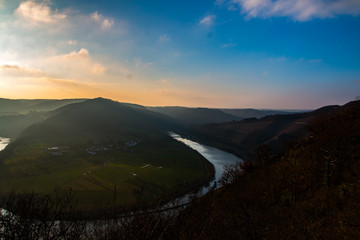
[98, 118]
[189, 116]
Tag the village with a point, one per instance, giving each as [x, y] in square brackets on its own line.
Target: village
[92, 148]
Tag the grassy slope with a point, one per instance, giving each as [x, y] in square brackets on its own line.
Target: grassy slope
[101, 122]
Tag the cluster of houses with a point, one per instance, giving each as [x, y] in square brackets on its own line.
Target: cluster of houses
[92, 149]
[130, 144]
[56, 151]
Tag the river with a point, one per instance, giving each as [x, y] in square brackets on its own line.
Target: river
[4, 142]
[217, 157]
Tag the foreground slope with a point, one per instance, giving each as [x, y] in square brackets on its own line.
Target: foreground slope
[311, 191]
[97, 146]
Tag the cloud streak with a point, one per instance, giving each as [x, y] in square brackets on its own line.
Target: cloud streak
[208, 21]
[298, 10]
[16, 70]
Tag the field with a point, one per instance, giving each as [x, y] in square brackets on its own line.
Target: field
[138, 170]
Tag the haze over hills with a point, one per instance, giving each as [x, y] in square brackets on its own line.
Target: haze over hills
[256, 113]
[12, 125]
[23, 106]
[189, 116]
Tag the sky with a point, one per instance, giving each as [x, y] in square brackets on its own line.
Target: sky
[283, 54]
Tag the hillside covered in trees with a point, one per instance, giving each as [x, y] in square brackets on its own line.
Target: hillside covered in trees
[311, 190]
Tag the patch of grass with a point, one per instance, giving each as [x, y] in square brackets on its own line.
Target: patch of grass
[145, 172]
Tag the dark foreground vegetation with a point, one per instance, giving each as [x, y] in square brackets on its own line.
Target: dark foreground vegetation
[309, 190]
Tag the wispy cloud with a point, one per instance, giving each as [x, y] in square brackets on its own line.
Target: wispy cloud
[77, 61]
[138, 63]
[96, 16]
[164, 38]
[299, 10]
[38, 13]
[208, 21]
[106, 23]
[77, 65]
[229, 45]
[16, 70]
[220, 2]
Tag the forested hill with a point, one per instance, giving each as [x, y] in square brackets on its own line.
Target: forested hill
[255, 113]
[242, 137]
[310, 191]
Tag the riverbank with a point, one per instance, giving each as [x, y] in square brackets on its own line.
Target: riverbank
[4, 142]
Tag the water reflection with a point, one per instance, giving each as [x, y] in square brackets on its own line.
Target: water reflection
[217, 157]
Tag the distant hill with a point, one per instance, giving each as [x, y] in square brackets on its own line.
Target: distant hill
[256, 113]
[12, 125]
[98, 118]
[23, 106]
[189, 116]
[241, 137]
[17, 115]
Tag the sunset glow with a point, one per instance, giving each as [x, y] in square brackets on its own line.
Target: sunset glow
[242, 53]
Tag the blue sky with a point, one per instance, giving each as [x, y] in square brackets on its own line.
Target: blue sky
[221, 53]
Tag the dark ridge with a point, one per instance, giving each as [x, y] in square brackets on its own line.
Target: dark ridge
[189, 116]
